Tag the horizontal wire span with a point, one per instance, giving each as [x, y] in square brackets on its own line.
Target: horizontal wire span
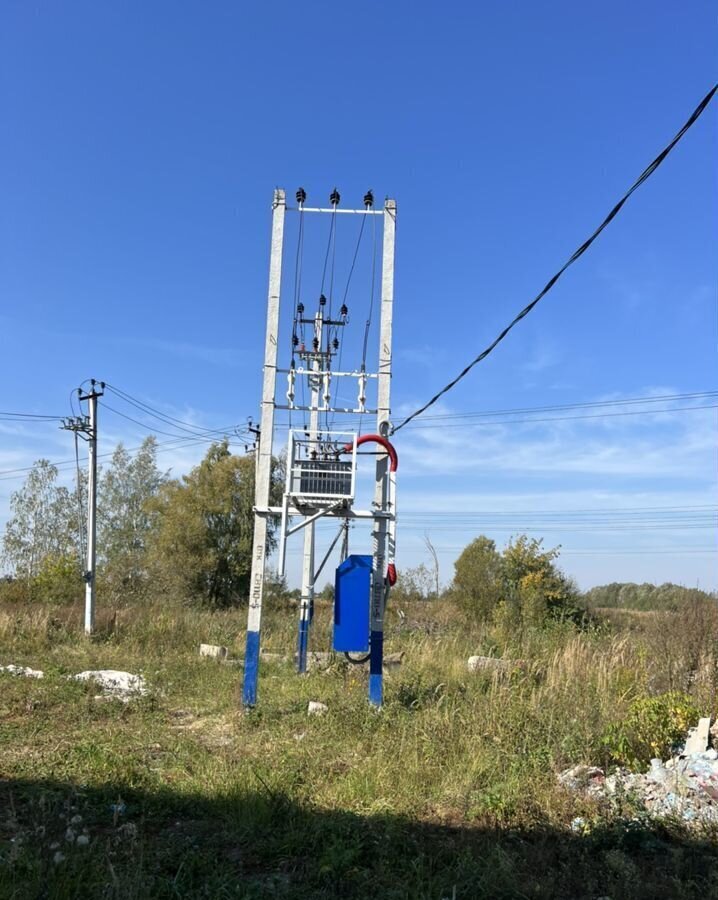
[647, 172]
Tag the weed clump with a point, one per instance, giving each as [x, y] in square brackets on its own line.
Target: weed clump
[653, 727]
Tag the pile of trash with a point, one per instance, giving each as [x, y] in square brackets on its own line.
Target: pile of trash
[685, 786]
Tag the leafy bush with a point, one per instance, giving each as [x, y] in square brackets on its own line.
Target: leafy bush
[653, 727]
[521, 586]
[59, 580]
[14, 590]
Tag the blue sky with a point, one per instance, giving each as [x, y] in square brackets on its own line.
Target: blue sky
[141, 144]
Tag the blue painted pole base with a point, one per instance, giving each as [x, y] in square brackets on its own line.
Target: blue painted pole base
[251, 669]
[376, 662]
[302, 645]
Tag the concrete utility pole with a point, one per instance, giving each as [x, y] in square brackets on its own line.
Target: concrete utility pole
[91, 398]
[306, 609]
[87, 426]
[264, 453]
[381, 499]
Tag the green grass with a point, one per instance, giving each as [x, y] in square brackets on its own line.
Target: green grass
[449, 790]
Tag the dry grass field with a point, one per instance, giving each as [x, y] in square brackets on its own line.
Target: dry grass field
[449, 791]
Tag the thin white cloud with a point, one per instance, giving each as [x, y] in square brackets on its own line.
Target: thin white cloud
[219, 356]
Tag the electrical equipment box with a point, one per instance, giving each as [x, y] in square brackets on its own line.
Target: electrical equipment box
[352, 597]
[324, 478]
[316, 475]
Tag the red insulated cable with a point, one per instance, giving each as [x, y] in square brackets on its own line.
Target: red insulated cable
[378, 439]
[393, 466]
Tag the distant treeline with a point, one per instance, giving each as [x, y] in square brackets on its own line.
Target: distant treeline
[627, 595]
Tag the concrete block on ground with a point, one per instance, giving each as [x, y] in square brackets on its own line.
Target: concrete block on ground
[318, 660]
[393, 660]
[214, 651]
[115, 683]
[492, 664]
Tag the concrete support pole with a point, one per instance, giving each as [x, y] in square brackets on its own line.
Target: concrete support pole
[306, 607]
[264, 455]
[381, 498]
[91, 515]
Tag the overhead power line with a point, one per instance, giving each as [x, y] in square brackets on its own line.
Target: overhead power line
[609, 511]
[587, 404]
[644, 176]
[604, 415]
[152, 411]
[598, 404]
[27, 417]
[154, 430]
[162, 447]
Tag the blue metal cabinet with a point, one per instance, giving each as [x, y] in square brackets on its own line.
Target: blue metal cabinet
[352, 594]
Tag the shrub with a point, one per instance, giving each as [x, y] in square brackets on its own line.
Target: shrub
[59, 580]
[653, 727]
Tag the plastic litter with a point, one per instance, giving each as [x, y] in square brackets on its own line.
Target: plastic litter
[684, 786]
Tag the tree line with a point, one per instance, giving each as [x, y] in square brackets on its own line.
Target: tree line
[187, 539]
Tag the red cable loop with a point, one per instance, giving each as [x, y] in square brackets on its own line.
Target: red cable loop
[393, 466]
[377, 439]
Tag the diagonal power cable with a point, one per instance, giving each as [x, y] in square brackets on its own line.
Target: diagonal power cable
[644, 176]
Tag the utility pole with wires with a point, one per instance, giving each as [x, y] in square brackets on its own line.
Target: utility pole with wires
[319, 482]
[86, 428]
[318, 361]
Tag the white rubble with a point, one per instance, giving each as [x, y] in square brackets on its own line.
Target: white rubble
[685, 786]
[492, 664]
[22, 670]
[316, 708]
[698, 738]
[214, 651]
[123, 685]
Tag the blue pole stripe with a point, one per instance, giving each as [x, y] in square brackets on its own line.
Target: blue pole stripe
[376, 660]
[302, 645]
[251, 669]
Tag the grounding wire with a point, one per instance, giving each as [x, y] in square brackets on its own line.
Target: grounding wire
[647, 172]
